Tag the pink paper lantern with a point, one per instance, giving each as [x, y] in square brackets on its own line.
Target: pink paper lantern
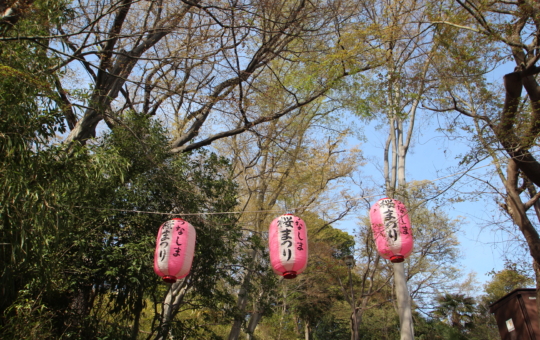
[175, 246]
[288, 243]
[391, 229]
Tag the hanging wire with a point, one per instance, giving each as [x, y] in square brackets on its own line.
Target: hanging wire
[266, 211]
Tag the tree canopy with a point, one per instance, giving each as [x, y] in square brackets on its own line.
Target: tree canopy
[117, 115]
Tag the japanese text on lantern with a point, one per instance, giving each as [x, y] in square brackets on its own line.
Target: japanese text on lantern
[179, 231]
[299, 245]
[164, 240]
[285, 227]
[390, 220]
[403, 217]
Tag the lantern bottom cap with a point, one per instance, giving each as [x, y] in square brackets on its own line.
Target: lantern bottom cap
[397, 258]
[169, 279]
[289, 274]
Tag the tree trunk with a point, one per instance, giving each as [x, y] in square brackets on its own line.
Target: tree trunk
[242, 301]
[79, 307]
[253, 322]
[172, 301]
[404, 302]
[518, 211]
[355, 321]
[536, 268]
[137, 312]
[307, 330]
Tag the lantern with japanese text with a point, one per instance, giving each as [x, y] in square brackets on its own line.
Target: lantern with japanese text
[287, 239]
[391, 229]
[174, 250]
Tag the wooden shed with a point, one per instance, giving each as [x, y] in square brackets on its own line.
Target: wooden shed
[517, 315]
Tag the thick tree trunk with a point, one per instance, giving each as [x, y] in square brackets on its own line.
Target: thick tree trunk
[253, 322]
[113, 73]
[172, 301]
[518, 211]
[516, 146]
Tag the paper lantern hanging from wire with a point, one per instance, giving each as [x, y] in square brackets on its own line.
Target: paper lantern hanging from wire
[391, 229]
[288, 244]
[175, 247]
